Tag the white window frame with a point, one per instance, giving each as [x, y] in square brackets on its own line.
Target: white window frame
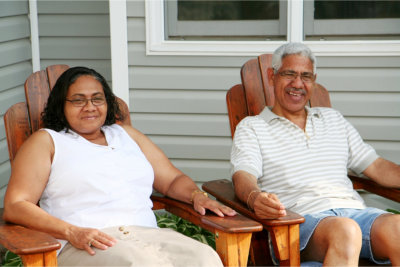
[157, 45]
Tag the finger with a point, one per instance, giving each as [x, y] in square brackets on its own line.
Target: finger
[270, 201]
[106, 239]
[228, 211]
[89, 249]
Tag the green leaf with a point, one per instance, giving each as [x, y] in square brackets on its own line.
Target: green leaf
[11, 259]
[167, 220]
[393, 211]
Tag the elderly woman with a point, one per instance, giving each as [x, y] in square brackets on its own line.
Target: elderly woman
[93, 179]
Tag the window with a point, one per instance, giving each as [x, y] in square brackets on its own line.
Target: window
[237, 28]
[352, 20]
[225, 20]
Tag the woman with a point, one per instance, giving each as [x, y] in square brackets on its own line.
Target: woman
[89, 173]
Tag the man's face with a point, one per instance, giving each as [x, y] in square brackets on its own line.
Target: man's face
[293, 84]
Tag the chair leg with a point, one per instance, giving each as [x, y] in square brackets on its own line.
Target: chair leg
[40, 259]
[233, 248]
[286, 242]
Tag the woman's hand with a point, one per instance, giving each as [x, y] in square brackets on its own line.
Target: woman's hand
[201, 203]
[86, 238]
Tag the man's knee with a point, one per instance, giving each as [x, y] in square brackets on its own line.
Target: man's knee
[385, 233]
[338, 236]
[344, 230]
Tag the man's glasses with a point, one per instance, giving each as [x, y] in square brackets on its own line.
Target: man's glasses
[81, 102]
[290, 75]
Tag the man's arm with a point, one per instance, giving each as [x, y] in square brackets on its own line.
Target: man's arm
[384, 172]
[265, 205]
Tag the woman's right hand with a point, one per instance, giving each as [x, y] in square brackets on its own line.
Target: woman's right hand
[86, 238]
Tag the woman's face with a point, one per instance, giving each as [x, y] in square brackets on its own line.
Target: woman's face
[84, 107]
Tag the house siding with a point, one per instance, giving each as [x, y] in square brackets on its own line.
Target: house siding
[15, 66]
[76, 33]
[179, 101]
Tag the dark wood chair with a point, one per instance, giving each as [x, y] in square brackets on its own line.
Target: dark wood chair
[233, 234]
[248, 99]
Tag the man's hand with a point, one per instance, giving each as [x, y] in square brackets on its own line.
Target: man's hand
[266, 205]
[201, 203]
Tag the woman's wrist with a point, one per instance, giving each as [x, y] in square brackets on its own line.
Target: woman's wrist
[195, 193]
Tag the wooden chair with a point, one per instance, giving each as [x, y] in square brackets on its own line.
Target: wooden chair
[233, 234]
[247, 99]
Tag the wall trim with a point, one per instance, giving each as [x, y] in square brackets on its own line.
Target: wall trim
[119, 49]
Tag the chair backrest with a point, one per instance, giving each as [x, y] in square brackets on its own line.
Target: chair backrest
[254, 93]
[24, 118]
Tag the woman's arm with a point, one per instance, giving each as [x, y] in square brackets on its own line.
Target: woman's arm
[29, 176]
[171, 182]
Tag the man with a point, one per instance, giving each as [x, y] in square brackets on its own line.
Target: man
[296, 157]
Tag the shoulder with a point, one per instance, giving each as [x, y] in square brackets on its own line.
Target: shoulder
[40, 142]
[327, 113]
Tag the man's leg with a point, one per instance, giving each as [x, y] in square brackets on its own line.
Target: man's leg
[385, 238]
[335, 241]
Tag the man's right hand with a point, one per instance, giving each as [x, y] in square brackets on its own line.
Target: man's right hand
[267, 206]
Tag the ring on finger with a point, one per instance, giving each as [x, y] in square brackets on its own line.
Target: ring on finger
[91, 242]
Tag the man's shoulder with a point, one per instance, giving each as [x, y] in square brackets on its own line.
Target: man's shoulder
[326, 112]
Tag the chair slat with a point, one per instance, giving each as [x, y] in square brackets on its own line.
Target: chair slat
[36, 91]
[252, 81]
[54, 72]
[17, 127]
[236, 104]
[264, 62]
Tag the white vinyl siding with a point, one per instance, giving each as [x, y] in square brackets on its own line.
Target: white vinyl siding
[15, 66]
[76, 33]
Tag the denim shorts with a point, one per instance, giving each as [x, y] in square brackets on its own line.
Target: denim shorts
[364, 217]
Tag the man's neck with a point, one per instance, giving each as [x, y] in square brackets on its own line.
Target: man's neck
[299, 118]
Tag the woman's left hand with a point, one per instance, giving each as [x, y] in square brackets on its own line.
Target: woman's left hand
[201, 203]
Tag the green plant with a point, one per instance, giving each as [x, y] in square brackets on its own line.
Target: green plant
[393, 211]
[10, 259]
[167, 220]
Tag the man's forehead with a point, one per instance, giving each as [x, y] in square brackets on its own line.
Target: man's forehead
[297, 62]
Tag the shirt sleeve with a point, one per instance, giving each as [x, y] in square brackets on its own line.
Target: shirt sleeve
[361, 155]
[245, 153]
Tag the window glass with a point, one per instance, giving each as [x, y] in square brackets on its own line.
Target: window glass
[351, 20]
[225, 20]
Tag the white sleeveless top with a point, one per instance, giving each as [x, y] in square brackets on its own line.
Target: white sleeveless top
[99, 186]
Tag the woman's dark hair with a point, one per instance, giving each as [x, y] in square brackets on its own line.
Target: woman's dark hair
[53, 115]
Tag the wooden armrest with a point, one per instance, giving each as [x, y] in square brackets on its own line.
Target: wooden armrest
[223, 191]
[373, 187]
[23, 241]
[232, 233]
[210, 222]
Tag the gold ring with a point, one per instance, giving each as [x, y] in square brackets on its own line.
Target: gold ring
[90, 242]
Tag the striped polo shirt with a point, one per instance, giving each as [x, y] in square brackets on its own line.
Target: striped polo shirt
[308, 169]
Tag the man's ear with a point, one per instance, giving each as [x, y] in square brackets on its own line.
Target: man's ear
[271, 76]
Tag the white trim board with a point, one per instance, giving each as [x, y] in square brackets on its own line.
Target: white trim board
[156, 45]
[119, 49]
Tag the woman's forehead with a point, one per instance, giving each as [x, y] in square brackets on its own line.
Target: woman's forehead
[85, 85]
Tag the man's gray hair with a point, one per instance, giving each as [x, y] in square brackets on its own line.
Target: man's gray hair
[292, 49]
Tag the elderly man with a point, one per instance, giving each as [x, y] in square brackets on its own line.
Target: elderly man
[296, 157]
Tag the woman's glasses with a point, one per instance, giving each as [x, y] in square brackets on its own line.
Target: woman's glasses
[81, 102]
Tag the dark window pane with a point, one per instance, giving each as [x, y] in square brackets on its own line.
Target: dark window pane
[228, 10]
[356, 9]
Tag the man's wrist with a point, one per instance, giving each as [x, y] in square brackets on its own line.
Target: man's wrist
[251, 197]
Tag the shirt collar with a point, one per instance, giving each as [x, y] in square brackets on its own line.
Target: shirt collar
[268, 115]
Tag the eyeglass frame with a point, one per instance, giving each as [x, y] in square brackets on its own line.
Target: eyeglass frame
[296, 74]
[86, 101]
